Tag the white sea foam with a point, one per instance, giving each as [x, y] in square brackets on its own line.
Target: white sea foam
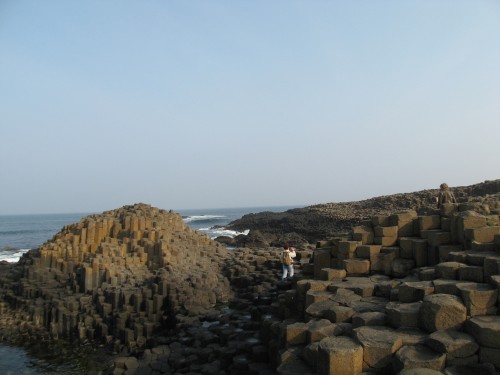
[226, 232]
[12, 256]
[189, 219]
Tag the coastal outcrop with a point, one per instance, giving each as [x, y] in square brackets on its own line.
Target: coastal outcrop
[404, 292]
[316, 222]
[118, 277]
[408, 291]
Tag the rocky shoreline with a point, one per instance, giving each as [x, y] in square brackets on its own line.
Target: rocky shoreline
[404, 292]
[314, 223]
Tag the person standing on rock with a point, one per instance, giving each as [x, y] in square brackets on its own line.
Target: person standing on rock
[445, 195]
[287, 256]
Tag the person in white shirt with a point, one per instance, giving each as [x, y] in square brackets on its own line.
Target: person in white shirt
[287, 256]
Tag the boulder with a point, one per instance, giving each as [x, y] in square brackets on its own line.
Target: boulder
[370, 318]
[415, 291]
[332, 274]
[319, 329]
[448, 270]
[345, 297]
[442, 311]
[403, 314]
[296, 333]
[313, 296]
[303, 286]
[226, 240]
[370, 304]
[318, 310]
[357, 266]
[452, 342]
[339, 356]
[471, 273]
[444, 286]
[291, 364]
[379, 345]
[480, 299]
[310, 355]
[339, 314]
[402, 267]
[485, 329]
[362, 286]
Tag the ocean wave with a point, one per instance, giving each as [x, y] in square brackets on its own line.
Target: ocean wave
[203, 218]
[217, 232]
[13, 256]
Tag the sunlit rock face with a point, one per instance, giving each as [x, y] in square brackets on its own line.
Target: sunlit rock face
[121, 274]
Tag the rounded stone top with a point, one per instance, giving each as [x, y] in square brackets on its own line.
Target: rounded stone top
[485, 329]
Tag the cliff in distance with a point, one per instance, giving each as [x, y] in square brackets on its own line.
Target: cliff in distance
[317, 222]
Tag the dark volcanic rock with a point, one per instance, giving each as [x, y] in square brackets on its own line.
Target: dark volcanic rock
[253, 239]
[226, 240]
[325, 220]
[168, 299]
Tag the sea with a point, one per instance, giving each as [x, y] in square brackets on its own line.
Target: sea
[21, 233]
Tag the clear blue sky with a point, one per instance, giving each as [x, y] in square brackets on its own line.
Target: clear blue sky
[202, 104]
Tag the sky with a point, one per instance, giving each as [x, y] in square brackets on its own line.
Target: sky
[204, 104]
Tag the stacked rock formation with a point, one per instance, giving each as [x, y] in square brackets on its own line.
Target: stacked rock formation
[398, 292]
[117, 277]
[407, 292]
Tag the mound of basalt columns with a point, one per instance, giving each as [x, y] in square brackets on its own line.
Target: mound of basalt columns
[118, 277]
[162, 297]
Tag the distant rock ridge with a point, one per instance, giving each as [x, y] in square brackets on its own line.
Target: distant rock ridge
[319, 221]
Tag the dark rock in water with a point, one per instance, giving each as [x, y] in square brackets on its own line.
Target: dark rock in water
[226, 240]
[252, 239]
